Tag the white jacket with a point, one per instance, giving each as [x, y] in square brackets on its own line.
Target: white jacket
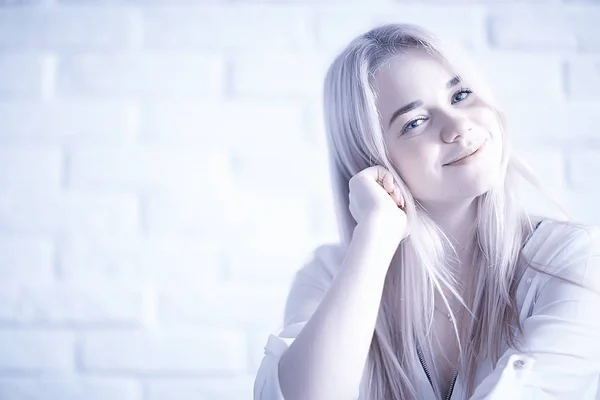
[561, 323]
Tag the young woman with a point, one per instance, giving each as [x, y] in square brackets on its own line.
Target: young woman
[443, 287]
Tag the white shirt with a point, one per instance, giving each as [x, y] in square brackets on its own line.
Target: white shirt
[561, 323]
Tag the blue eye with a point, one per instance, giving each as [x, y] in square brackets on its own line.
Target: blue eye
[415, 123]
[461, 95]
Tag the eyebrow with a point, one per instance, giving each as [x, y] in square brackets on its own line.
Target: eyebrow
[418, 103]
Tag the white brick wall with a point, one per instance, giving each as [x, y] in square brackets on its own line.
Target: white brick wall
[22, 75]
[69, 387]
[150, 220]
[189, 351]
[37, 351]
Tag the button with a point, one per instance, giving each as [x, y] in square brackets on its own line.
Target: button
[519, 364]
[529, 280]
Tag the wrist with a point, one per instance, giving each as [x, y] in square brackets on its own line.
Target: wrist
[384, 230]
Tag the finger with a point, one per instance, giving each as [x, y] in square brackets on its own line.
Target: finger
[384, 178]
[396, 196]
[387, 181]
[401, 203]
[376, 172]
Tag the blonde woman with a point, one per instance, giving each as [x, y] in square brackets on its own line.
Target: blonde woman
[443, 287]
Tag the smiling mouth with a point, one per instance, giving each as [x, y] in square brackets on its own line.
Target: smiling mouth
[467, 156]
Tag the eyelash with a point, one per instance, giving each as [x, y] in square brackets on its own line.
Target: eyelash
[462, 90]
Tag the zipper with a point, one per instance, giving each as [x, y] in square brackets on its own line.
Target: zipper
[421, 359]
[420, 355]
[451, 389]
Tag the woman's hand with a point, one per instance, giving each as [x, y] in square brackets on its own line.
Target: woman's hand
[375, 197]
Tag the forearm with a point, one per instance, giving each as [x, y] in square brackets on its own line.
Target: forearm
[327, 359]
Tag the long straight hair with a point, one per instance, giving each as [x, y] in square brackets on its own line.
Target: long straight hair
[355, 142]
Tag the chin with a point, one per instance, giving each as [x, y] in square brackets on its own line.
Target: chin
[461, 184]
[474, 185]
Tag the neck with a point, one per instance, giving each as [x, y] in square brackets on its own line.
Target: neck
[456, 220]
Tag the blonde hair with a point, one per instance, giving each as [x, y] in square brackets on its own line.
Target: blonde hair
[355, 142]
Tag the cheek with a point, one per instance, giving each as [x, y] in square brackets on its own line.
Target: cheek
[491, 125]
[404, 158]
[486, 119]
[415, 165]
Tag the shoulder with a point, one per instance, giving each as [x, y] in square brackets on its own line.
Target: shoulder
[553, 238]
[322, 264]
[312, 281]
[563, 247]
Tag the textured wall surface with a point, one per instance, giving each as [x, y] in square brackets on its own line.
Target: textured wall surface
[163, 172]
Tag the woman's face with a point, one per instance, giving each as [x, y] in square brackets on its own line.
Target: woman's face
[431, 118]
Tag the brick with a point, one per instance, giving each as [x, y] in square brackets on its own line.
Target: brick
[263, 75]
[272, 215]
[557, 123]
[31, 168]
[68, 213]
[22, 75]
[222, 305]
[263, 238]
[208, 218]
[322, 216]
[490, 2]
[156, 260]
[139, 2]
[77, 28]
[583, 168]
[530, 121]
[581, 117]
[337, 26]
[36, 351]
[149, 168]
[26, 260]
[278, 27]
[233, 124]
[556, 28]
[530, 28]
[221, 388]
[174, 351]
[583, 78]
[313, 2]
[69, 388]
[582, 204]
[149, 74]
[526, 77]
[306, 171]
[259, 260]
[68, 121]
[91, 305]
[5, 3]
[585, 25]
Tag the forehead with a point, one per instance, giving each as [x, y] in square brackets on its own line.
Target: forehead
[410, 76]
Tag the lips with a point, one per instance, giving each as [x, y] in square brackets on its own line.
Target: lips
[470, 153]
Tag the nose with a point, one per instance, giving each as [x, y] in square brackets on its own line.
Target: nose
[454, 126]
